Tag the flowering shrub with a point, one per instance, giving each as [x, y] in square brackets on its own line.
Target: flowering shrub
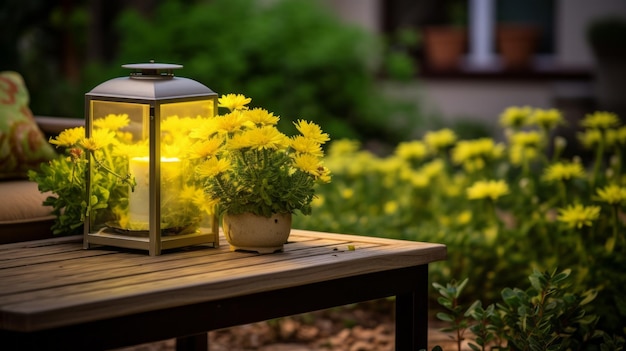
[503, 208]
[248, 165]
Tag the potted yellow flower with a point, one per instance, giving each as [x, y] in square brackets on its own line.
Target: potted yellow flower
[257, 175]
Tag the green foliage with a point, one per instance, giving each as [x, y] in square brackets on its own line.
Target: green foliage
[546, 316]
[262, 182]
[293, 56]
[66, 179]
[553, 211]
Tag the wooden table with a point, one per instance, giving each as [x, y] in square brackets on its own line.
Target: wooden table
[56, 295]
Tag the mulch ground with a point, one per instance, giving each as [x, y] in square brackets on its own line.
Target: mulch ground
[367, 326]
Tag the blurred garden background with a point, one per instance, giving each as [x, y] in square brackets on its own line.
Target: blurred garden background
[420, 151]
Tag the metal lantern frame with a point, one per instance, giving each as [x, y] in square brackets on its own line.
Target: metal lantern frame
[155, 85]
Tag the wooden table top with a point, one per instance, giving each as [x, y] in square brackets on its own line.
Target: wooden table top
[53, 283]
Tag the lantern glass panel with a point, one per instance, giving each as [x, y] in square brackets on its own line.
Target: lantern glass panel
[185, 207]
[120, 131]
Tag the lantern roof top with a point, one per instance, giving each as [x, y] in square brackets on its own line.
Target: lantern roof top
[151, 81]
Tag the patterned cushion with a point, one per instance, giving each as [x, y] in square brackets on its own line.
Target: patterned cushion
[22, 145]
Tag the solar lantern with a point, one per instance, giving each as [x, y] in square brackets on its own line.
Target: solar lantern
[142, 192]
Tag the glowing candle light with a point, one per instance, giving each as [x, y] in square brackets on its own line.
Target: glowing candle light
[139, 199]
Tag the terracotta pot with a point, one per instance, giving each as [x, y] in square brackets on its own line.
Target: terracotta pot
[444, 46]
[251, 232]
[517, 44]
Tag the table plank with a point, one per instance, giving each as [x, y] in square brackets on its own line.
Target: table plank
[111, 283]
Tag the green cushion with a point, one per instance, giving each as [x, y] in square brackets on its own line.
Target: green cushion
[22, 145]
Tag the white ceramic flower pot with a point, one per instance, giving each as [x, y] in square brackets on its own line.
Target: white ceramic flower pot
[251, 232]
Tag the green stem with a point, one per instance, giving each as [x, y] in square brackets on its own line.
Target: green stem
[598, 163]
[125, 179]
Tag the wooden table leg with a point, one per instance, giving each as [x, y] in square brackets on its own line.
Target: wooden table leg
[198, 342]
[412, 315]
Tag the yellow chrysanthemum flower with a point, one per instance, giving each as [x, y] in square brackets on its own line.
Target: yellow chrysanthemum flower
[206, 148]
[266, 137]
[484, 148]
[612, 194]
[518, 154]
[101, 138]
[530, 138]
[212, 167]
[112, 122]
[347, 193]
[441, 139]
[307, 163]
[412, 150]
[600, 120]
[205, 128]
[312, 131]
[615, 136]
[433, 168]
[547, 119]
[131, 150]
[261, 117]
[229, 123]
[577, 216]
[390, 207]
[234, 101]
[69, 137]
[515, 117]
[343, 147]
[305, 145]
[561, 171]
[590, 138]
[492, 189]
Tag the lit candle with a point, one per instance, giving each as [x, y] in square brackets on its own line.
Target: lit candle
[139, 199]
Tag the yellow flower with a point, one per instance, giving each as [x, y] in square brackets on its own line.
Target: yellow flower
[266, 137]
[515, 117]
[205, 129]
[412, 150]
[306, 146]
[440, 139]
[131, 150]
[616, 136]
[343, 147]
[547, 119]
[519, 154]
[612, 194]
[69, 137]
[561, 171]
[484, 148]
[433, 168]
[261, 117]
[347, 193]
[112, 122]
[492, 189]
[206, 148]
[307, 163]
[464, 217]
[390, 207]
[600, 120]
[590, 137]
[312, 131]
[577, 216]
[101, 138]
[212, 167]
[531, 138]
[234, 102]
[229, 123]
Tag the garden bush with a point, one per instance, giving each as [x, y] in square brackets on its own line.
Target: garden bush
[504, 209]
[292, 56]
